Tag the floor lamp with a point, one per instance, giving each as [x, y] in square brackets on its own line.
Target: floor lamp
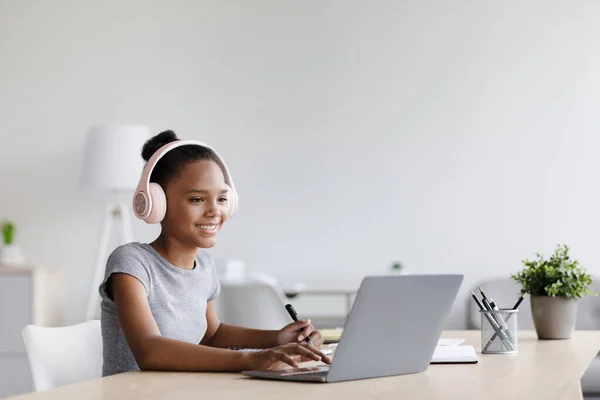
[112, 165]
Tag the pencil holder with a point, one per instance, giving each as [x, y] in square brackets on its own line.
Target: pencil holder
[499, 331]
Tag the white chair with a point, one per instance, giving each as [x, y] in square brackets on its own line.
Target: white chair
[253, 303]
[63, 355]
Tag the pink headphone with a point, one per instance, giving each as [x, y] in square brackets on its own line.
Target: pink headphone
[149, 199]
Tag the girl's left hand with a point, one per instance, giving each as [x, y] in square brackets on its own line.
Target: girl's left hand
[297, 331]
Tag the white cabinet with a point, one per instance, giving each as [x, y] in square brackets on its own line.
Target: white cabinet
[15, 310]
[28, 295]
[15, 375]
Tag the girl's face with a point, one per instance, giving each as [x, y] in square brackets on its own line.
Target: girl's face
[197, 204]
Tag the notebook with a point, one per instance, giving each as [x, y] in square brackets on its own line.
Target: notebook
[443, 354]
[331, 335]
[454, 355]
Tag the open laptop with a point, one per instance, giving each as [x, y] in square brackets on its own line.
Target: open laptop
[392, 329]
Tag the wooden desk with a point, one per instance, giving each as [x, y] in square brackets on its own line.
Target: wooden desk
[542, 370]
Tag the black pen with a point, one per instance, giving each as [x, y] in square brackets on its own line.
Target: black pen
[294, 315]
[518, 303]
[486, 304]
[482, 294]
[476, 300]
[490, 305]
[516, 306]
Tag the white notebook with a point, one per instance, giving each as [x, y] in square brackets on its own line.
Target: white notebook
[454, 355]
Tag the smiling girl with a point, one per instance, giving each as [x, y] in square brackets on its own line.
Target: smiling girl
[157, 309]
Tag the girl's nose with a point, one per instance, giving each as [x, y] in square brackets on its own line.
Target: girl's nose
[211, 209]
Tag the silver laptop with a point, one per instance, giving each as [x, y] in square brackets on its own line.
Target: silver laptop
[392, 329]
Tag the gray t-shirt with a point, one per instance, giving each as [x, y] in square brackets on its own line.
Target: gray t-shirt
[177, 299]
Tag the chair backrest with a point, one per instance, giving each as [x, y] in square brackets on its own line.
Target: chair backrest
[63, 355]
[505, 293]
[253, 304]
[588, 309]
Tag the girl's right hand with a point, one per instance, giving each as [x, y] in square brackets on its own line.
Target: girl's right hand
[286, 355]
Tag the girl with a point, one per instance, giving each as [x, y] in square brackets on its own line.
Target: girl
[157, 310]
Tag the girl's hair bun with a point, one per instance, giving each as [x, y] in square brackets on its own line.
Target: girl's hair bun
[156, 142]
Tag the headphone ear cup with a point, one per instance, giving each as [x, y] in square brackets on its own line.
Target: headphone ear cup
[232, 200]
[159, 204]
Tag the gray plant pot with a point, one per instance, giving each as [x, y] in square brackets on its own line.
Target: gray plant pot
[554, 317]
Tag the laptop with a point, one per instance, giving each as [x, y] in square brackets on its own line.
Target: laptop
[392, 329]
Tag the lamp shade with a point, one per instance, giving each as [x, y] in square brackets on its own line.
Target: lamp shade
[112, 157]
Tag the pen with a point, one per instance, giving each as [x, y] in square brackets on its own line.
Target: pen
[515, 307]
[518, 302]
[482, 294]
[490, 305]
[492, 321]
[502, 321]
[476, 300]
[294, 315]
[498, 317]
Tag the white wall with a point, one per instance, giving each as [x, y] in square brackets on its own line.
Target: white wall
[454, 136]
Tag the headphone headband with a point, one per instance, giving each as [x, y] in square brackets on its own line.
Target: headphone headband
[142, 199]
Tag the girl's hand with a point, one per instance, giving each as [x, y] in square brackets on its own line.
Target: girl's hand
[297, 331]
[286, 355]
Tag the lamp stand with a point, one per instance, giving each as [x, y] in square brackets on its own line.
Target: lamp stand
[114, 213]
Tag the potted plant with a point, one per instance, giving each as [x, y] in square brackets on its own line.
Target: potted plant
[10, 252]
[554, 286]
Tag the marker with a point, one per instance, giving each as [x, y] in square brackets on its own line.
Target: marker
[292, 312]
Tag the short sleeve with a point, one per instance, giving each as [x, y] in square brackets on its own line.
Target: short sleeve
[216, 283]
[130, 260]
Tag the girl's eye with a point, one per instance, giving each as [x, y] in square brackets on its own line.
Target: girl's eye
[223, 199]
[196, 199]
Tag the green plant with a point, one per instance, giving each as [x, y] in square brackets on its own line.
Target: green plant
[557, 276]
[8, 232]
[397, 266]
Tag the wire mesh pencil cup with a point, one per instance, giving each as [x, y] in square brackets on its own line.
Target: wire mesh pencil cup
[499, 331]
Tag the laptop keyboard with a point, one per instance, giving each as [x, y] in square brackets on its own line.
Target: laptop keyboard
[312, 371]
[324, 351]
